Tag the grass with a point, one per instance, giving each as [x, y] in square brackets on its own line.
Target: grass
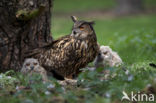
[81, 5]
[90, 88]
[149, 3]
[68, 6]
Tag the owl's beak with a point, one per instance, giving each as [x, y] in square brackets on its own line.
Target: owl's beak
[32, 67]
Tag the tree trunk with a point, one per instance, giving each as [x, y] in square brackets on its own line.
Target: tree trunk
[24, 25]
[129, 6]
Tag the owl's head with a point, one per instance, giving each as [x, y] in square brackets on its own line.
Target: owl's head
[106, 53]
[30, 64]
[82, 29]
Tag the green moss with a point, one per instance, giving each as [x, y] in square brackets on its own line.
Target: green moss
[28, 15]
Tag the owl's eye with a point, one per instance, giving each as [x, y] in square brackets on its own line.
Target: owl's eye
[35, 63]
[105, 53]
[81, 28]
[27, 64]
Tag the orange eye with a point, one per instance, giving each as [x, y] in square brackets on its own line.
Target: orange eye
[35, 63]
[81, 28]
[27, 64]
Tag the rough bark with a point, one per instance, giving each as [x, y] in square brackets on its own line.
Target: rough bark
[129, 6]
[24, 25]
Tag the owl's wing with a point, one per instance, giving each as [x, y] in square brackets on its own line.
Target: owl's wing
[65, 53]
[32, 53]
[39, 50]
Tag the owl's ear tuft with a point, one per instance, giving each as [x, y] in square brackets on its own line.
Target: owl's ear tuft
[74, 18]
[91, 22]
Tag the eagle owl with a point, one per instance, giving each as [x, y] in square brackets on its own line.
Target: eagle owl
[31, 65]
[66, 55]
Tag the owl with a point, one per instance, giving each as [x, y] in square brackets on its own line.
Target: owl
[68, 54]
[31, 65]
[107, 57]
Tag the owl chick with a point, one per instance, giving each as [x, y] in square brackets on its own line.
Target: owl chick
[67, 55]
[31, 65]
[107, 57]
